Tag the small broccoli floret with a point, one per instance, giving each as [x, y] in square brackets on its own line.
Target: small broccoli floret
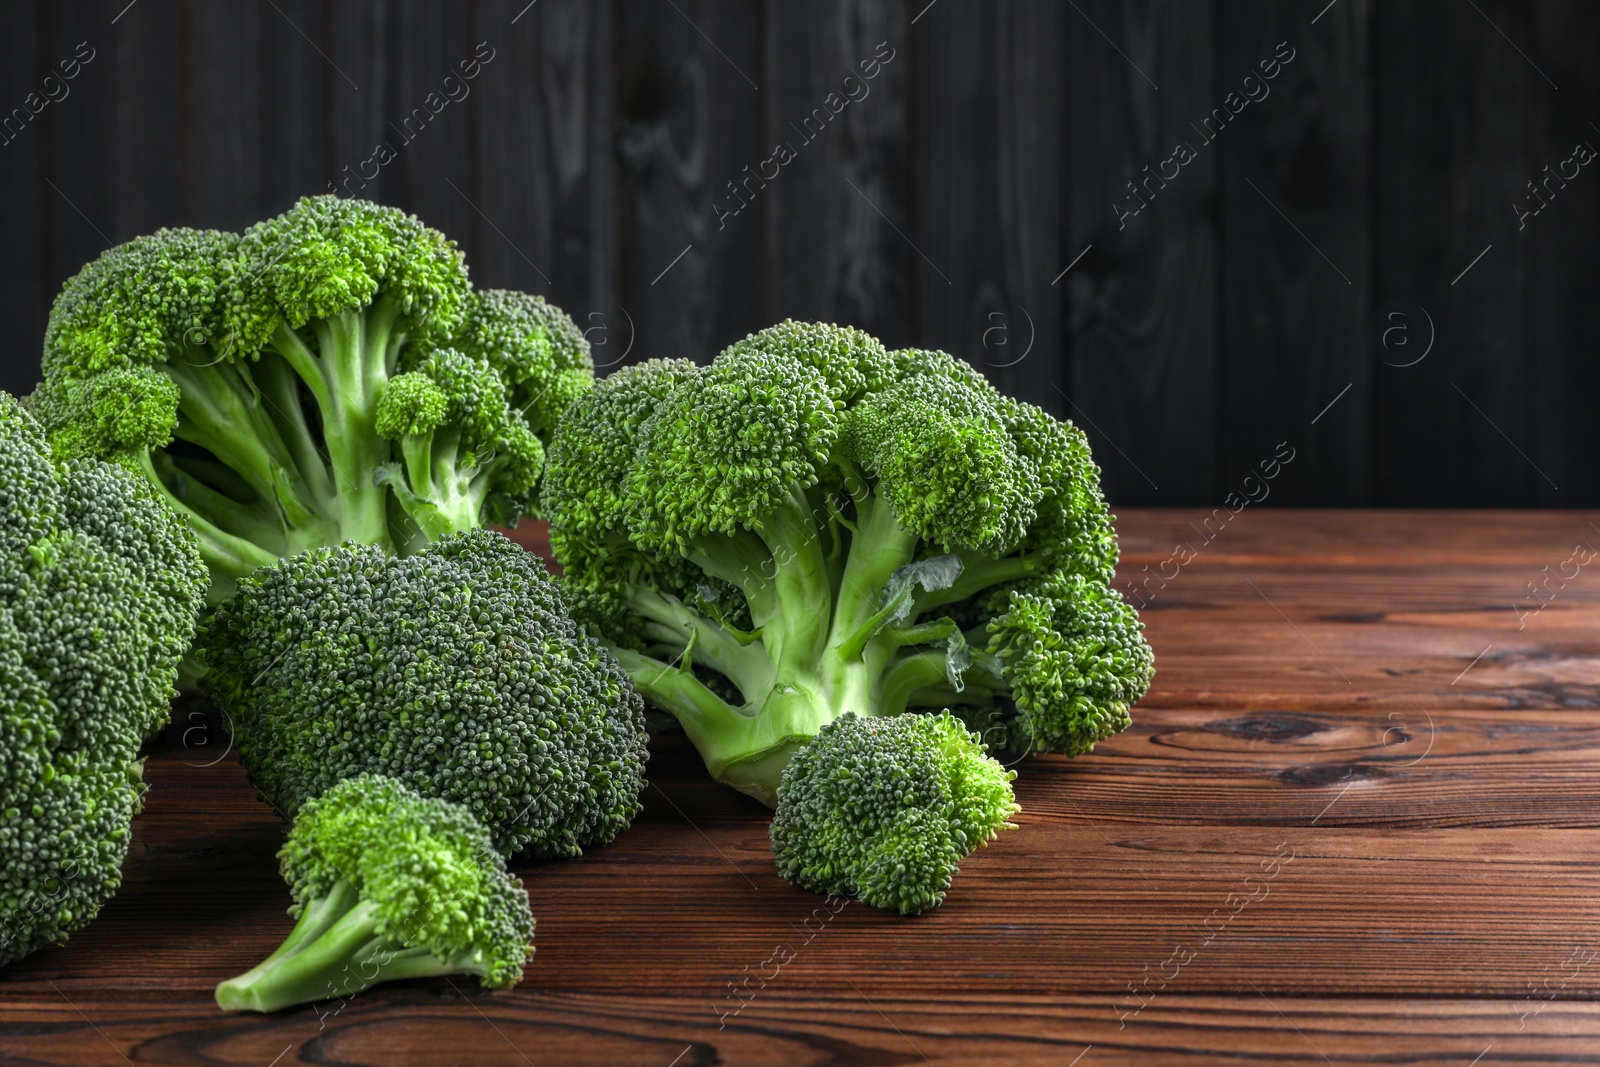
[884, 809]
[249, 379]
[1075, 658]
[99, 588]
[388, 885]
[811, 525]
[456, 671]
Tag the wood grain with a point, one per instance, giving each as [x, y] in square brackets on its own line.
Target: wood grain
[1296, 253]
[1272, 865]
[1142, 308]
[861, 1023]
[688, 126]
[834, 251]
[987, 176]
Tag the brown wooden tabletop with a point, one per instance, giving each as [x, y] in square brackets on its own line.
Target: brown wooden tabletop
[1355, 821]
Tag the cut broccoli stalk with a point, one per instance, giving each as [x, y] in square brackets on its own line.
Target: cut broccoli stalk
[389, 885]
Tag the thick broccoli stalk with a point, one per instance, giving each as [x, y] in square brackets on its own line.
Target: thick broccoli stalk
[245, 376]
[388, 885]
[99, 588]
[811, 525]
[884, 809]
[456, 671]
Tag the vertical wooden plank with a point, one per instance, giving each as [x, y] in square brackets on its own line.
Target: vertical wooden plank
[24, 96]
[1566, 257]
[112, 169]
[1141, 306]
[689, 107]
[1296, 261]
[545, 171]
[1454, 149]
[836, 202]
[988, 175]
[255, 101]
[401, 113]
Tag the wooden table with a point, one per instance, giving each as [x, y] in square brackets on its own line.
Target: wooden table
[1353, 822]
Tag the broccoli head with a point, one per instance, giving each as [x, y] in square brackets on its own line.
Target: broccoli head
[99, 588]
[883, 809]
[811, 524]
[456, 671]
[388, 884]
[249, 378]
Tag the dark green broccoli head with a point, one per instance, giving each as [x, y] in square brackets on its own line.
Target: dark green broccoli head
[388, 884]
[884, 809]
[99, 588]
[456, 671]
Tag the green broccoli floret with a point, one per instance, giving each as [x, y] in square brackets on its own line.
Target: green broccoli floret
[884, 809]
[828, 527]
[388, 885]
[456, 671]
[248, 378]
[99, 588]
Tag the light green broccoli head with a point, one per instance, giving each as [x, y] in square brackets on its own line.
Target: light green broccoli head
[330, 255]
[535, 347]
[388, 884]
[885, 809]
[1075, 656]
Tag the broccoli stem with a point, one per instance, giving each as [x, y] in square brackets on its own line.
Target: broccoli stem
[744, 664]
[354, 360]
[218, 411]
[279, 386]
[879, 547]
[230, 557]
[335, 949]
[431, 493]
[907, 674]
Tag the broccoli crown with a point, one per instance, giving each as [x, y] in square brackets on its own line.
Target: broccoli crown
[249, 378]
[456, 671]
[99, 588]
[884, 809]
[388, 884]
[811, 524]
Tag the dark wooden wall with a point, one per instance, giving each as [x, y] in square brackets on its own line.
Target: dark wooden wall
[942, 208]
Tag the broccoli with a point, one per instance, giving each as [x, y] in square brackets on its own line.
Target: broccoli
[99, 588]
[329, 375]
[884, 808]
[811, 524]
[457, 671]
[388, 885]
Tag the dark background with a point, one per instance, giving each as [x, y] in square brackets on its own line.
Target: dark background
[941, 209]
